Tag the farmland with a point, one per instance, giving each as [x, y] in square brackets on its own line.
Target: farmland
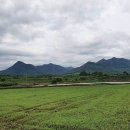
[97, 107]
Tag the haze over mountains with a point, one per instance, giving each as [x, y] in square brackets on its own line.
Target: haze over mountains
[113, 65]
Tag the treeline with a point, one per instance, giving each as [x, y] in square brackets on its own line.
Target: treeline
[84, 73]
[70, 78]
[99, 76]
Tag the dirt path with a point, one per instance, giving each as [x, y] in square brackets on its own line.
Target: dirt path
[73, 84]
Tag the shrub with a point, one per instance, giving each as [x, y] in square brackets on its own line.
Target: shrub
[83, 78]
[2, 79]
[56, 80]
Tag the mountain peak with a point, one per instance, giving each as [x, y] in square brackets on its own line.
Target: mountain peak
[101, 61]
[51, 64]
[19, 62]
[118, 59]
[114, 58]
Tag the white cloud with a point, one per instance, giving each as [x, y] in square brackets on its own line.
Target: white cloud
[67, 33]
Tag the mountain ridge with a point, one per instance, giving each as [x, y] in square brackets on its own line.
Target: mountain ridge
[21, 68]
[113, 65]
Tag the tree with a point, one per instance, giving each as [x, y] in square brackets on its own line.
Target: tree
[83, 78]
[56, 80]
[2, 79]
[125, 73]
[83, 73]
[97, 73]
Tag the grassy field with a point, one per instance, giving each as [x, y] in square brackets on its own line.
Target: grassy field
[102, 107]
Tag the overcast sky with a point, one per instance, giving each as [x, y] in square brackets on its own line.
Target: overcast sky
[67, 33]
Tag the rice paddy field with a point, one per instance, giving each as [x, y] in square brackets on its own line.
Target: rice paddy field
[98, 107]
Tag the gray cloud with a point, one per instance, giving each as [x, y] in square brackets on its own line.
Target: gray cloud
[13, 52]
[67, 33]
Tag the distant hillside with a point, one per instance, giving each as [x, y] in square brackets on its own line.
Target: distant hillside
[52, 69]
[114, 65]
[21, 68]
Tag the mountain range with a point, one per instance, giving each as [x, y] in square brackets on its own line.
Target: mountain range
[21, 68]
[113, 65]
